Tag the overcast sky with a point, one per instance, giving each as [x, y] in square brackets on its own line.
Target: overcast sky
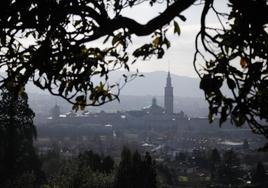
[180, 55]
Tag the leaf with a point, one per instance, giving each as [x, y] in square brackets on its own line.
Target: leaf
[177, 28]
[127, 67]
[239, 120]
[80, 103]
[210, 117]
[160, 53]
[204, 83]
[231, 83]
[62, 87]
[227, 49]
[183, 18]
[143, 51]
[243, 63]
[75, 107]
[77, 22]
[236, 71]
[3, 40]
[110, 97]
[134, 61]
[156, 41]
[223, 117]
[117, 38]
[21, 90]
[166, 42]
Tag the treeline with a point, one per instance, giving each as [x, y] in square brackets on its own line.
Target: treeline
[220, 169]
[91, 170]
[21, 167]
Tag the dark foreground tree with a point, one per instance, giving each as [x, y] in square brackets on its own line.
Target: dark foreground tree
[259, 176]
[19, 163]
[96, 162]
[236, 53]
[87, 170]
[50, 43]
[135, 171]
[214, 162]
[229, 172]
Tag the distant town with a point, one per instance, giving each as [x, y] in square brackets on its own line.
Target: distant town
[171, 138]
[151, 128]
[177, 141]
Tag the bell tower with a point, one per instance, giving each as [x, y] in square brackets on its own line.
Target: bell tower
[169, 95]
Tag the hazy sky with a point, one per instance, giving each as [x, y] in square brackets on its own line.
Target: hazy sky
[180, 55]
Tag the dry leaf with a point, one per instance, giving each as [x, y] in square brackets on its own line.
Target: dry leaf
[243, 63]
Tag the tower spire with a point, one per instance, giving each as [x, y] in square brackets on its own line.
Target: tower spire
[168, 83]
[169, 95]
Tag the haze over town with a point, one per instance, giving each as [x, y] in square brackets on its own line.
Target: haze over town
[184, 121]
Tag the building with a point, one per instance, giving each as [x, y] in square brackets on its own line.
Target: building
[168, 103]
[55, 111]
[149, 117]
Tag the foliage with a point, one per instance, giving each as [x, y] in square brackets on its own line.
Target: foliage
[214, 162]
[229, 171]
[235, 54]
[215, 156]
[166, 176]
[51, 162]
[18, 159]
[95, 162]
[135, 171]
[87, 170]
[259, 176]
[50, 43]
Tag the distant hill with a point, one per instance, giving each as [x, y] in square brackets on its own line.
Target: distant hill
[151, 84]
[135, 95]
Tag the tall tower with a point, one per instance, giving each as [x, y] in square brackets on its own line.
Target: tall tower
[169, 95]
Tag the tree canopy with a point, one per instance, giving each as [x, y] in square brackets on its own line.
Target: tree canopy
[236, 53]
[135, 171]
[18, 159]
[58, 55]
[50, 43]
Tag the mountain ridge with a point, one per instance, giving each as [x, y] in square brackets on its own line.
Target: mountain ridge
[152, 84]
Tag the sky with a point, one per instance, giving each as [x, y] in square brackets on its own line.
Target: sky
[179, 57]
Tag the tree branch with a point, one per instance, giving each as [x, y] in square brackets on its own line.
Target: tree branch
[139, 29]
